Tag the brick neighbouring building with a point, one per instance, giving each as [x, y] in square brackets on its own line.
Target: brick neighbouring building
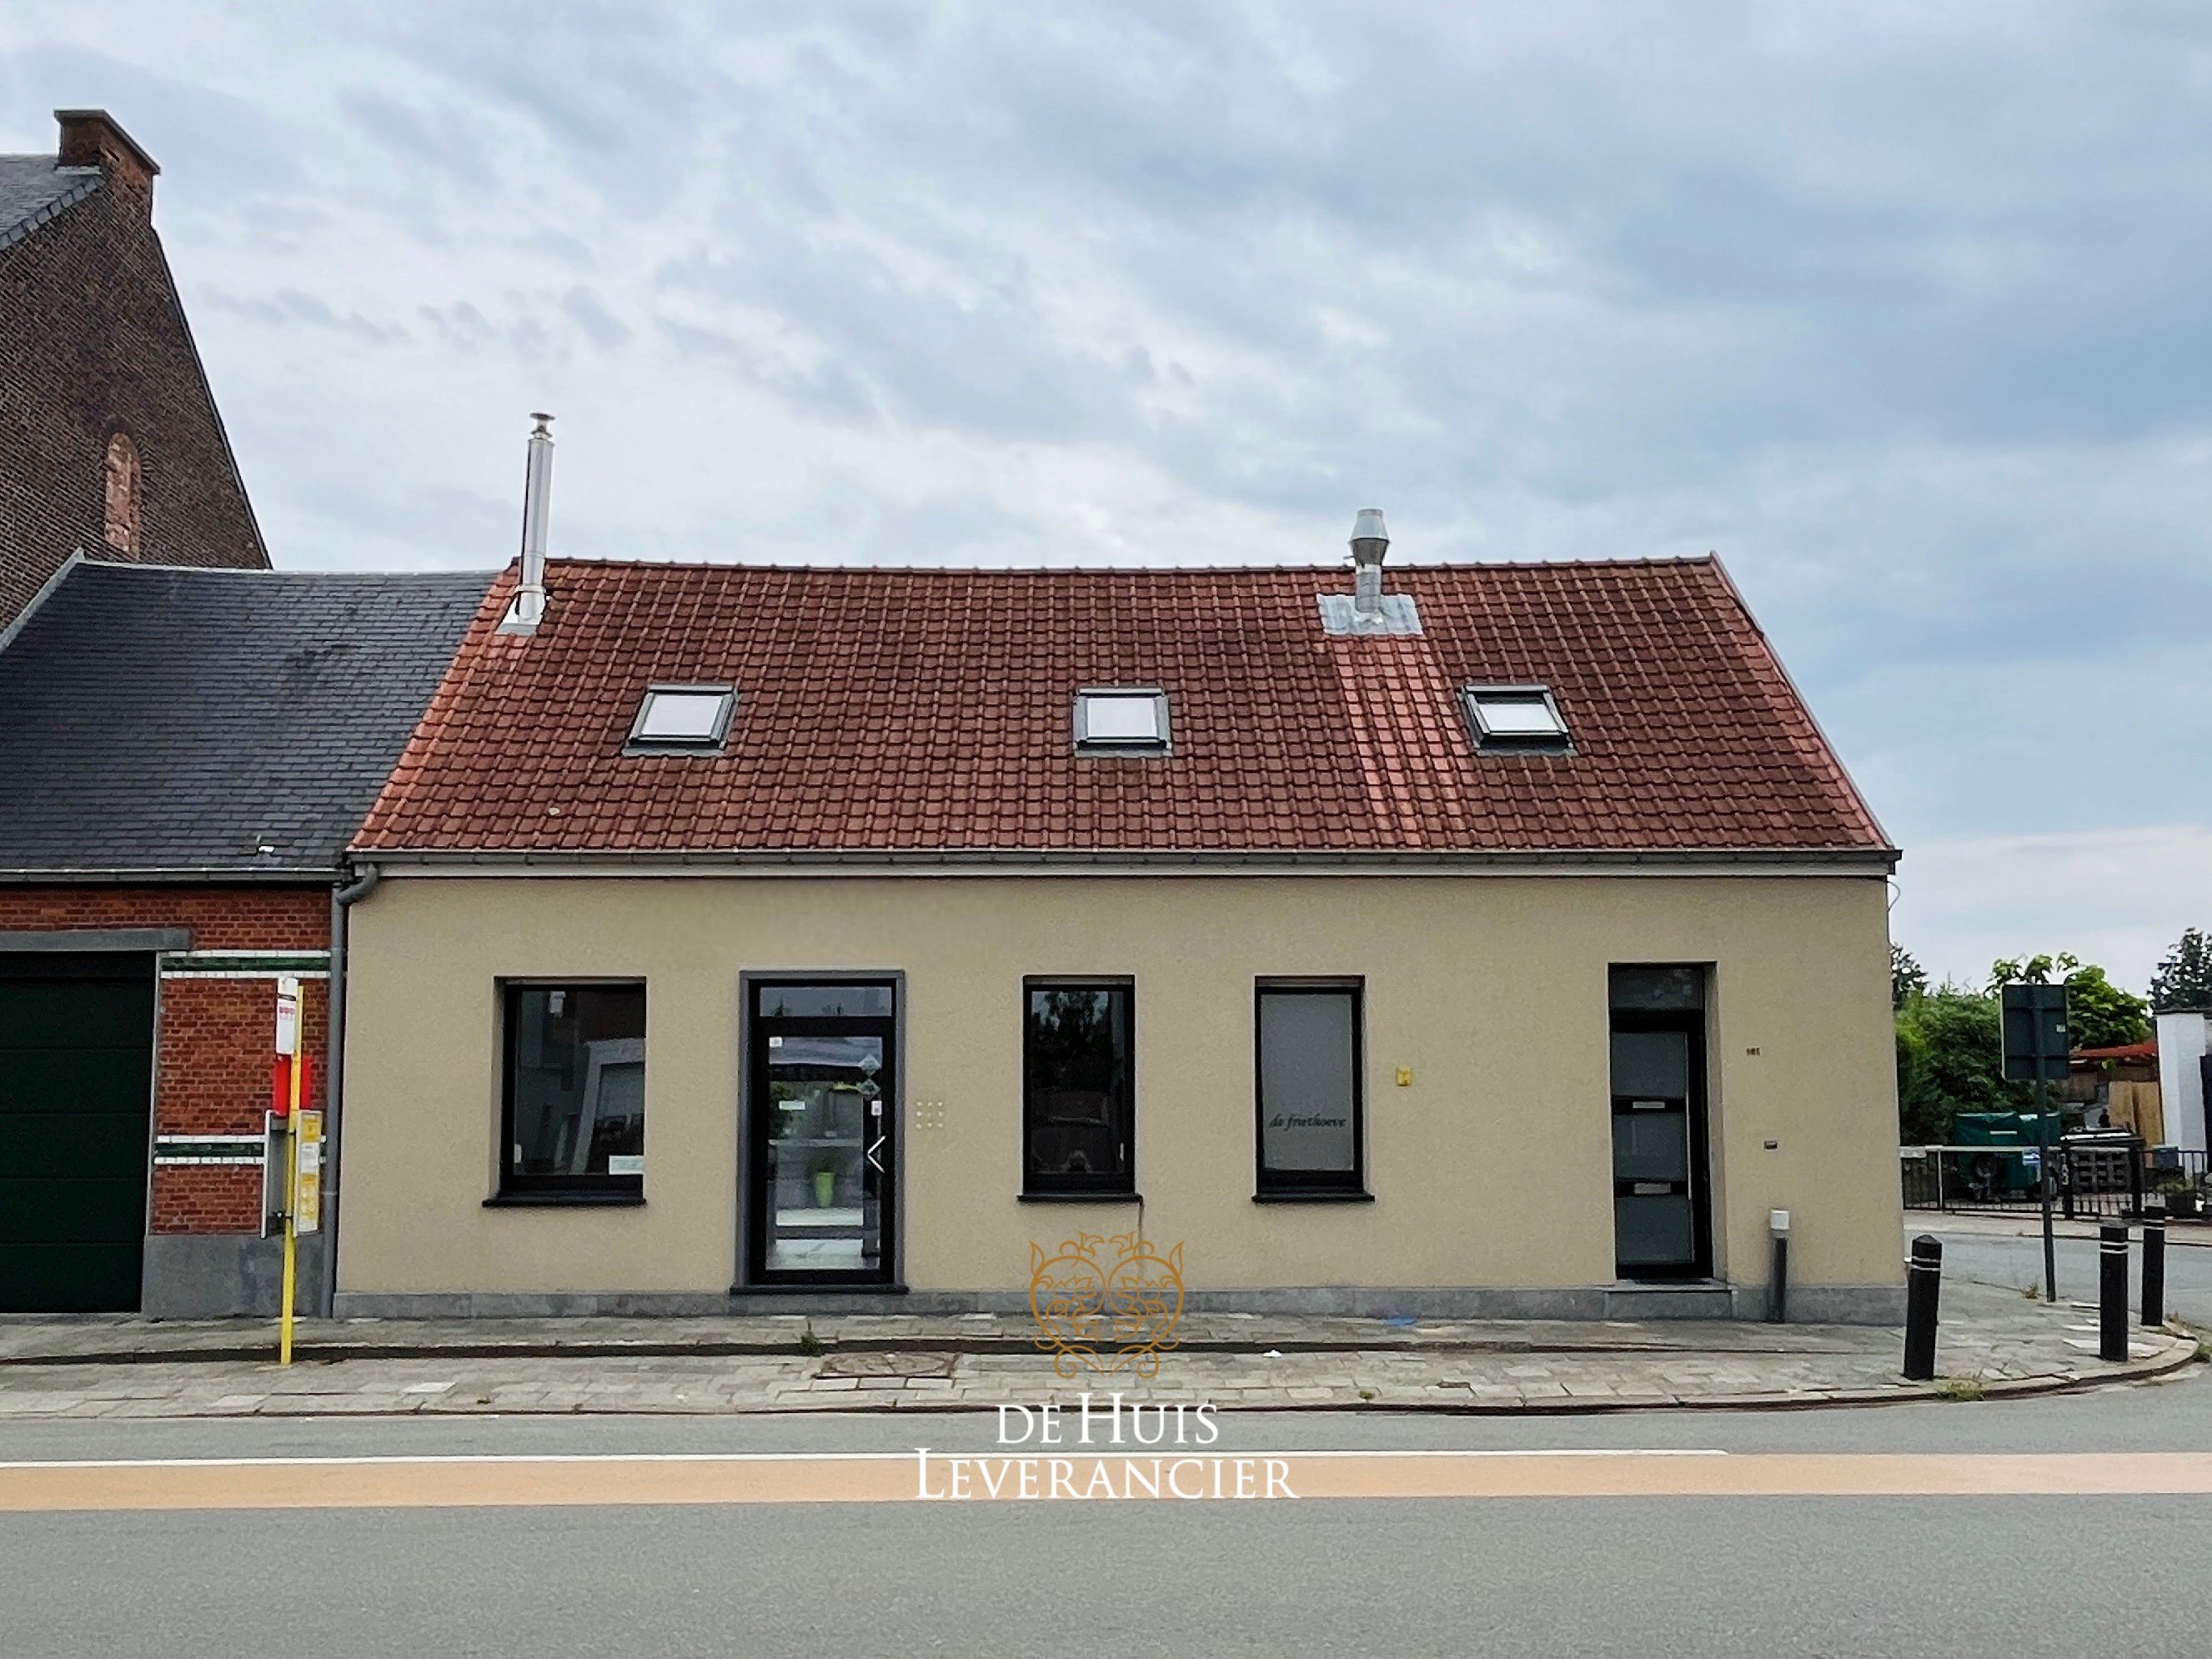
[185, 755]
[109, 436]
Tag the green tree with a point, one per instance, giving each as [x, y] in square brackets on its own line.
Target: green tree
[1948, 1061]
[2184, 976]
[2099, 1014]
[1907, 978]
[2031, 970]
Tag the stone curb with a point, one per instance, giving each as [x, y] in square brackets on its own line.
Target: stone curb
[727, 1348]
[2180, 1353]
[2198, 1235]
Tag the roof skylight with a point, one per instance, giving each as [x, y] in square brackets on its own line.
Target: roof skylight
[1515, 717]
[682, 719]
[1121, 721]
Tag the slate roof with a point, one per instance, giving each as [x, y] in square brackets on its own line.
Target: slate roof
[929, 711]
[158, 719]
[35, 188]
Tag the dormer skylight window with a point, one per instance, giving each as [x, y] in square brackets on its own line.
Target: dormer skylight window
[1524, 718]
[1121, 721]
[682, 719]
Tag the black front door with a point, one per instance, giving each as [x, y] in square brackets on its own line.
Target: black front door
[1660, 1207]
[822, 1131]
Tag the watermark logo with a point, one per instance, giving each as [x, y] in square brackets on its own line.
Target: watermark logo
[1158, 1451]
[1106, 1305]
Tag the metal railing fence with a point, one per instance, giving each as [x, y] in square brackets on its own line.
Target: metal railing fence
[2095, 1179]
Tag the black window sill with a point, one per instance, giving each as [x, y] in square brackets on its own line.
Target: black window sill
[564, 1200]
[1314, 1195]
[1082, 1198]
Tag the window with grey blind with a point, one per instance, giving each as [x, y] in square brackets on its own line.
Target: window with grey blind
[1307, 1039]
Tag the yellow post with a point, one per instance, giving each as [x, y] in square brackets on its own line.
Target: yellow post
[291, 1217]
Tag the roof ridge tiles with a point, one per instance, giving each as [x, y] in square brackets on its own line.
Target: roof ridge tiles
[1659, 561]
[94, 561]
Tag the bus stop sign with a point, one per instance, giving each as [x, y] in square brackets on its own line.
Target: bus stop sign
[2035, 1038]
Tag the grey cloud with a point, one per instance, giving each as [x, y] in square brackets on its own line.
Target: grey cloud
[609, 83]
[986, 366]
[830, 390]
[290, 306]
[559, 245]
[460, 325]
[601, 327]
[445, 141]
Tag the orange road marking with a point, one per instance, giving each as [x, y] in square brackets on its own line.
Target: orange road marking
[433, 1482]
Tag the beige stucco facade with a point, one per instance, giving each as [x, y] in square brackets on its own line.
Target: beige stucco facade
[1490, 1168]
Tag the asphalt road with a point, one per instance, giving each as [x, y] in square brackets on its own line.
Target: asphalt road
[2019, 1263]
[1812, 1575]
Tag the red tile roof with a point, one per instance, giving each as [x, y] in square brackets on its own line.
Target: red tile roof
[2121, 1054]
[920, 710]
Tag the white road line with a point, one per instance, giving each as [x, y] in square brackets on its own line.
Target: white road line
[905, 1456]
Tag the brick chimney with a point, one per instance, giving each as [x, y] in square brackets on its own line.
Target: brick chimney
[94, 138]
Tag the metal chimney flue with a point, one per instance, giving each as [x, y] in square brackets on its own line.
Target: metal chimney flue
[529, 607]
[1369, 541]
[1367, 609]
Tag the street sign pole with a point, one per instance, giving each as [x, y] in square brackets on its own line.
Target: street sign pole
[2034, 1042]
[2049, 1236]
[289, 1011]
[292, 1223]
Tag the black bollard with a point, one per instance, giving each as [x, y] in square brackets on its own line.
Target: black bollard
[2153, 1275]
[1923, 1285]
[2112, 1291]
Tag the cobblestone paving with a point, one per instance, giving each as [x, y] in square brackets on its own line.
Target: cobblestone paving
[132, 1369]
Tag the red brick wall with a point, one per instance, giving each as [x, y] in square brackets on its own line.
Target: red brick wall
[97, 344]
[217, 1035]
[207, 1198]
[242, 918]
[214, 1038]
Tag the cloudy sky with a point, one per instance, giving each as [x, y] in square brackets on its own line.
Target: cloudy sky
[1904, 309]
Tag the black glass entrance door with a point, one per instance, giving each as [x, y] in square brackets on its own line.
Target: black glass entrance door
[821, 1100]
[1661, 1209]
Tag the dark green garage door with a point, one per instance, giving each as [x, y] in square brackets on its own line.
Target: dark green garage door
[76, 1056]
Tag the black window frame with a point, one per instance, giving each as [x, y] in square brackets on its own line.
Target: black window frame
[712, 743]
[1271, 1185]
[1162, 741]
[1560, 741]
[513, 1187]
[1094, 1184]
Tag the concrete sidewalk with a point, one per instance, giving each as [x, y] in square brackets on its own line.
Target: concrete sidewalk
[2028, 1224]
[1992, 1342]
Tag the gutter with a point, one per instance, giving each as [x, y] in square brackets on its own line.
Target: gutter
[1854, 860]
[343, 899]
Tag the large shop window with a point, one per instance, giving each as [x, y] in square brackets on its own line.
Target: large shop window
[1078, 1109]
[574, 1113]
[1311, 1136]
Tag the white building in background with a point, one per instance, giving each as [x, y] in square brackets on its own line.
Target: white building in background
[2182, 1044]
